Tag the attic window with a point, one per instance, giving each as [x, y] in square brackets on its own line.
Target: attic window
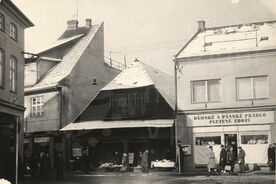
[208, 44]
[264, 38]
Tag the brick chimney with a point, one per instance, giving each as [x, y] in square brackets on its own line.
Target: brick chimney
[201, 25]
[72, 24]
[88, 22]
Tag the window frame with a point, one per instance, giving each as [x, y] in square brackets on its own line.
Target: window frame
[41, 112]
[14, 31]
[252, 88]
[2, 71]
[13, 74]
[3, 23]
[206, 91]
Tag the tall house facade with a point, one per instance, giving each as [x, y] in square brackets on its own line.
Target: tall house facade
[61, 82]
[12, 25]
[226, 93]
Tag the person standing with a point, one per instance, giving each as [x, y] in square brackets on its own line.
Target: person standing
[271, 157]
[231, 158]
[86, 162]
[145, 161]
[222, 158]
[45, 165]
[241, 159]
[212, 161]
[59, 166]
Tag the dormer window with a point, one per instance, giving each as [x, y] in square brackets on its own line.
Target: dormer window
[13, 31]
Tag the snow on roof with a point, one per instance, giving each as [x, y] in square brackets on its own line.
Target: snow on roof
[63, 68]
[230, 39]
[139, 74]
[60, 42]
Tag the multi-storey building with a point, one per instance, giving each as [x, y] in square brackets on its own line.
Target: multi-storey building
[12, 25]
[61, 82]
[226, 92]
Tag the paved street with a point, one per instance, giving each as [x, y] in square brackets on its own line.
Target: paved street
[156, 178]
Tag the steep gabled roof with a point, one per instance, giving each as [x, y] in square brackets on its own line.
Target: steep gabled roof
[68, 61]
[139, 74]
[232, 39]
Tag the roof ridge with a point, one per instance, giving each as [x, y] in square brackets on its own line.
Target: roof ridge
[242, 24]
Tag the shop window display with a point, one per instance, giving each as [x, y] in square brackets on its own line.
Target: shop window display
[254, 139]
[205, 141]
[201, 146]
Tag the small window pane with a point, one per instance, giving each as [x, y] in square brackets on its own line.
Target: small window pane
[213, 90]
[199, 91]
[260, 87]
[244, 90]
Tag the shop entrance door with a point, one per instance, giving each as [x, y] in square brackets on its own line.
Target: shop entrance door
[231, 140]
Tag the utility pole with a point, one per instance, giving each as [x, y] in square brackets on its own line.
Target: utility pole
[125, 61]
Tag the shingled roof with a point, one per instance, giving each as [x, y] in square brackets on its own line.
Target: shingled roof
[231, 39]
[139, 74]
[69, 60]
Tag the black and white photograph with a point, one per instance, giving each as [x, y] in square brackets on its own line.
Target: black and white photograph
[137, 91]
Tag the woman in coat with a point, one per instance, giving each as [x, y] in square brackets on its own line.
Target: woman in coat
[212, 161]
[241, 159]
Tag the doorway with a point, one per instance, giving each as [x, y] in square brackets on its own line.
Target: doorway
[231, 140]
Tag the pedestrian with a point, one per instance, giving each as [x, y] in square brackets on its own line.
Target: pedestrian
[231, 158]
[139, 159]
[45, 165]
[145, 160]
[86, 162]
[271, 157]
[222, 158]
[241, 159]
[212, 161]
[59, 166]
[34, 165]
[116, 158]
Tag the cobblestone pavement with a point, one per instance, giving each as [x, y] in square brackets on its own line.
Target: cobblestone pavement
[156, 178]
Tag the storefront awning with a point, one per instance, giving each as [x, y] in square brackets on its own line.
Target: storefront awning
[98, 124]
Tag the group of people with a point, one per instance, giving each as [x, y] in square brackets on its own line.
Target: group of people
[227, 160]
[142, 159]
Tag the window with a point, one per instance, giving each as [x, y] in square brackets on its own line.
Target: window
[13, 31]
[2, 62]
[37, 106]
[208, 141]
[13, 71]
[129, 104]
[2, 22]
[252, 87]
[206, 91]
[254, 139]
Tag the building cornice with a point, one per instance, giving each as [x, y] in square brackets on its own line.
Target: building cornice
[11, 105]
[228, 109]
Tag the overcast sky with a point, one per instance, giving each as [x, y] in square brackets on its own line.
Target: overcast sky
[150, 30]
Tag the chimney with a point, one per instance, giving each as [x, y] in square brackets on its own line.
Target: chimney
[88, 22]
[72, 24]
[201, 25]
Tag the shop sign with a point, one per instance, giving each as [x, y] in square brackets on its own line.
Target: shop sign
[236, 118]
[41, 139]
[77, 152]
